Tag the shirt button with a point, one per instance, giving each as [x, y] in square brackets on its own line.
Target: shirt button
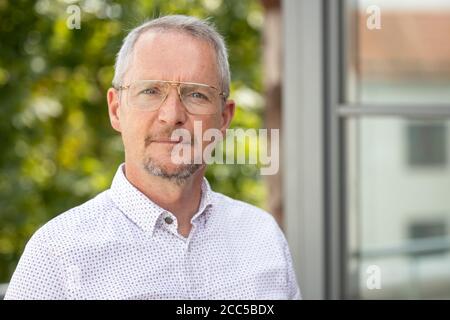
[168, 220]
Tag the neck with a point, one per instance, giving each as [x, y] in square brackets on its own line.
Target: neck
[181, 199]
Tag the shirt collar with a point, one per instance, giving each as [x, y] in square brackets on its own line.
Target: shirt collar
[144, 212]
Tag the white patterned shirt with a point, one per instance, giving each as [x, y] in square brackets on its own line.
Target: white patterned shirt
[121, 245]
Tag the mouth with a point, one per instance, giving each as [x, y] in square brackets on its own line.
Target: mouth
[170, 141]
[166, 141]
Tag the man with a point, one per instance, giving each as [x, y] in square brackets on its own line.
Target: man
[160, 232]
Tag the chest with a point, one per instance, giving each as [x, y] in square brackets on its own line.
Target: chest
[173, 270]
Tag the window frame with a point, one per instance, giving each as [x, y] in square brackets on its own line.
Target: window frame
[338, 111]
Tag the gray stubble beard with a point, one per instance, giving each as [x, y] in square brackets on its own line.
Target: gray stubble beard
[178, 177]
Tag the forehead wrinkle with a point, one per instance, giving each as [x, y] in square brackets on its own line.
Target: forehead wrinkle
[190, 64]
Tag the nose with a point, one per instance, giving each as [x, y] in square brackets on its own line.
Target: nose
[172, 111]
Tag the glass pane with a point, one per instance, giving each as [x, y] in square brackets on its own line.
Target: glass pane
[398, 208]
[398, 51]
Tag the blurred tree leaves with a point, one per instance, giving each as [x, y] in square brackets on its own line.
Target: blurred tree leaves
[57, 146]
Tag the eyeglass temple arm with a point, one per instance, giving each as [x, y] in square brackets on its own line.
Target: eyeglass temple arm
[122, 87]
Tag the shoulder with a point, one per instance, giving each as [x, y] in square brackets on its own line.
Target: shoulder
[241, 209]
[250, 233]
[74, 225]
[246, 217]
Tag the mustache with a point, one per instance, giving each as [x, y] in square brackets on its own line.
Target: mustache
[166, 134]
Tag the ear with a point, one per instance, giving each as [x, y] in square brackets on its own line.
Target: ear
[113, 108]
[227, 115]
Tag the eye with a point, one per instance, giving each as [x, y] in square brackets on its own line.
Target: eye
[198, 95]
[150, 91]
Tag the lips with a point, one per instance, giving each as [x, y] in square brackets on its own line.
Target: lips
[170, 141]
[166, 141]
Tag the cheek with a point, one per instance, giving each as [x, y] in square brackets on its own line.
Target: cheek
[133, 134]
[213, 123]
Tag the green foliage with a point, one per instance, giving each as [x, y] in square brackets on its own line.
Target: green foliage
[57, 146]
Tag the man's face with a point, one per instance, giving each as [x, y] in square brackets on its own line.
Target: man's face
[165, 56]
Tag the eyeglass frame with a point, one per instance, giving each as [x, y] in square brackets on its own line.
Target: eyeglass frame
[176, 84]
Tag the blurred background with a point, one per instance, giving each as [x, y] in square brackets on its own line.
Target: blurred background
[359, 88]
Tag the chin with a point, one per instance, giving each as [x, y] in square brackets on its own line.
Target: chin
[170, 171]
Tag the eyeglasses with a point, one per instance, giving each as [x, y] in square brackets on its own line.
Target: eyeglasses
[198, 98]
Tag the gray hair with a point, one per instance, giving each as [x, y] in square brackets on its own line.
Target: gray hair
[200, 29]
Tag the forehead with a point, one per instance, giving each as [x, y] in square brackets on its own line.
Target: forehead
[172, 55]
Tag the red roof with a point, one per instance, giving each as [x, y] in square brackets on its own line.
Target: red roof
[409, 44]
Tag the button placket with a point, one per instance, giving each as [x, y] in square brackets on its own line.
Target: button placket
[188, 262]
[169, 222]
[188, 244]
